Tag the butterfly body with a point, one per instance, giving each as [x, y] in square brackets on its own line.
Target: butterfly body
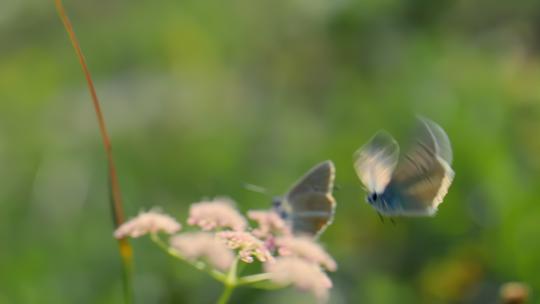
[415, 184]
[280, 208]
[309, 206]
[384, 203]
[393, 203]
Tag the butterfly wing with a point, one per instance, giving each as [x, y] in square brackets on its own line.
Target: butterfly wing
[442, 142]
[423, 176]
[375, 162]
[310, 202]
[312, 213]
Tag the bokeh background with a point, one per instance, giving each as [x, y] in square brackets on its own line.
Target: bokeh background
[201, 97]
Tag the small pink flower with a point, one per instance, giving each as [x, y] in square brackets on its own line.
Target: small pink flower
[218, 213]
[148, 222]
[248, 246]
[305, 248]
[269, 224]
[302, 274]
[196, 245]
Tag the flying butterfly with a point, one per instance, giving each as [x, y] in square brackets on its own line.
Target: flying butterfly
[416, 183]
[308, 207]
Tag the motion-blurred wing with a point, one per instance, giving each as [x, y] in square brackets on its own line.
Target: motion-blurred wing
[375, 161]
[423, 176]
[442, 142]
[310, 200]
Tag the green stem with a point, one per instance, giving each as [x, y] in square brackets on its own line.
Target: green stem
[231, 281]
[231, 275]
[128, 280]
[197, 264]
[252, 279]
[126, 252]
[226, 295]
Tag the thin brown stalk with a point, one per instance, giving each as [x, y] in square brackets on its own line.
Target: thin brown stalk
[125, 249]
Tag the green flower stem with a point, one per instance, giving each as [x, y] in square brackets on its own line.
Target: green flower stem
[197, 264]
[230, 283]
[252, 279]
[230, 280]
[226, 295]
[232, 274]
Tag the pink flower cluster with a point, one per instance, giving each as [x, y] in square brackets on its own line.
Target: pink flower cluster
[290, 260]
[302, 274]
[248, 246]
[197, 245]
[305, 248]
[299, 259]
[152, 221]
[269, 224]
[219, 213]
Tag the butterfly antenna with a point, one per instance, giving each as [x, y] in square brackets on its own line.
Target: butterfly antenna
[255, 188]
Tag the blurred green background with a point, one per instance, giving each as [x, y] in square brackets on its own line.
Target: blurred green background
[203, 96]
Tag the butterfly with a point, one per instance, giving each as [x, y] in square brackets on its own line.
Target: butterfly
[416, 183]
[309, 207]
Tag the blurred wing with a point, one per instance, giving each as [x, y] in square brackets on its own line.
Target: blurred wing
[423, 176]
[375, 161]
[310, 200]
[441, 140]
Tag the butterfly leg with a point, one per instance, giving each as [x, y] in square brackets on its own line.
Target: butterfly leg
[381, 217]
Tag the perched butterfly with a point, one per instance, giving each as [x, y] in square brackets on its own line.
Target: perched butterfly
[309, 205]
[417, 183]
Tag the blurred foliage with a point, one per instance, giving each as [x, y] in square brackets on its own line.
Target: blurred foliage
[202, 96]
